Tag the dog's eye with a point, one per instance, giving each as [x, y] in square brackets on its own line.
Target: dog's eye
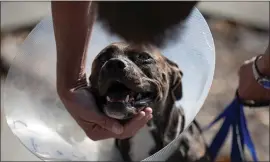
[102, 59]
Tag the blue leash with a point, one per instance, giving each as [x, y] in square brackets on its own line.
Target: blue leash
[235, 119]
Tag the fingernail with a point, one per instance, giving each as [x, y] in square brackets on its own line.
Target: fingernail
[148, 110]
[117, 129]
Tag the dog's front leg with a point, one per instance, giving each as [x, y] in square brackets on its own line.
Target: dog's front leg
[156, 134]
[175, 126]
[124, 147]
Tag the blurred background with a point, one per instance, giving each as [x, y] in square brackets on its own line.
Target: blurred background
[240, 31]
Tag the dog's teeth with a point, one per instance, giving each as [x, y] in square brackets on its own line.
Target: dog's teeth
[127, 98]
[139, 96]
[108, 98]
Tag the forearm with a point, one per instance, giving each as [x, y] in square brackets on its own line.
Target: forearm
[72, 28]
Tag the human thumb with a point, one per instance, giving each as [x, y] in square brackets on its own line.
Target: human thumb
[86, 100]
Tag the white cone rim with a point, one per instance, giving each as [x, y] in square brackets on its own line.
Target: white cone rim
[33, 109]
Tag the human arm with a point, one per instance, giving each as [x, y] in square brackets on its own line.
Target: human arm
[73, 22]
[249, 88]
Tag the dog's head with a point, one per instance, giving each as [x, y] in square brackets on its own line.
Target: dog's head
[126, 79]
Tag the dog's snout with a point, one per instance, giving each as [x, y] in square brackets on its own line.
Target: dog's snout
[115, 63]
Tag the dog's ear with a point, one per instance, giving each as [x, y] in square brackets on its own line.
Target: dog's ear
[175, 76]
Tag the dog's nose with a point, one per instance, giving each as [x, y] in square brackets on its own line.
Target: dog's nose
[115, 64]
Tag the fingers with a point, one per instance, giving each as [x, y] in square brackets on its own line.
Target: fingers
[136, 123]
[148, 110]
[96, 132]
[106, 123]
[98, 126]
[249, 88]
[109, 128]
[111, 125]
[92, 114]
[140, 120]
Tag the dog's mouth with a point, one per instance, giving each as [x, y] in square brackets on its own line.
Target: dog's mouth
[118, 92]
[121, 102]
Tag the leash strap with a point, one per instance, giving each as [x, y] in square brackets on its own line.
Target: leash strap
[247, 138]
[235, 119]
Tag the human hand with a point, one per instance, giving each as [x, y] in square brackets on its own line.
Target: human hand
[249, 88]
[82, 107]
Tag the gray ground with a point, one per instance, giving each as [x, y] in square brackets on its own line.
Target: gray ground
[230, 55]
[234, 44]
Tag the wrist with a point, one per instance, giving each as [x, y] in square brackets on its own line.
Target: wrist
[63, 92]
[64, 86]
[264, 65]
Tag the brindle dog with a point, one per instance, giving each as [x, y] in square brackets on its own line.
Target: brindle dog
[126, 79]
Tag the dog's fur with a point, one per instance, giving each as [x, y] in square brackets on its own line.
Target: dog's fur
[144, 70]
